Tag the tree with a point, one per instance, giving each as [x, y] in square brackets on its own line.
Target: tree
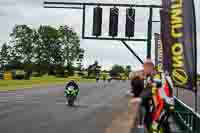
[4, 55]
[39, 62]
[70, 44]
[48, 51]
[45, 49]
[116, 70]
[127, 70]
[15, 59]
[22, 38]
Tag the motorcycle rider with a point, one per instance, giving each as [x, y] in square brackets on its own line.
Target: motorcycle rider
[74, 84]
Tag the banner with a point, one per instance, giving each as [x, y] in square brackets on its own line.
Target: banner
[181, 41]
[166, 39]
[166, 4]
[158, 52]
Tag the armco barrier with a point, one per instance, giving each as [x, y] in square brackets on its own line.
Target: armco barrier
[186, 118]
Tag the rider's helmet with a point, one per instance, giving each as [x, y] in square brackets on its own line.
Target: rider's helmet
[72, 81]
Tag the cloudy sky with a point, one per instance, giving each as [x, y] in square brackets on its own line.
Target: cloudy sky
[31, 12]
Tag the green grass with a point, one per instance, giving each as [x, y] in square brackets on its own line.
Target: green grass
[9, 85]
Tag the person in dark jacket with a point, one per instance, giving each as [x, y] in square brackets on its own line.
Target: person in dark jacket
[137, 86]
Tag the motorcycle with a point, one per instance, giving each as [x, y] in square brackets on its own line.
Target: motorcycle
[71, 95]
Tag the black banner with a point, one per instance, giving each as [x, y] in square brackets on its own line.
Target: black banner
[181, 42]
[158, 52]
[166, 39]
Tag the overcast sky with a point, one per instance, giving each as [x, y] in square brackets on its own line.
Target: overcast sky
[31, 12]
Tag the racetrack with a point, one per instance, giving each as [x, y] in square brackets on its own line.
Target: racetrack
[43, 110]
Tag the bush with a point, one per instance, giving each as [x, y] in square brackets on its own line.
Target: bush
[71, 73]
[52, 73]
[36, 74]
[85, 77]
[81, 74]
[28, 75]
[89, 77]
[20, 77]
[60, 75]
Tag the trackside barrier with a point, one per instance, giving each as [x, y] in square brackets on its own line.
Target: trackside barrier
[186, 118]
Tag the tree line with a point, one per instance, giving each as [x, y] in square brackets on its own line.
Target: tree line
[43, 50]
[116, 72]
[118, 69]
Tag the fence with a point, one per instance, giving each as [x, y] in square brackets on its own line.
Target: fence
[186, 118]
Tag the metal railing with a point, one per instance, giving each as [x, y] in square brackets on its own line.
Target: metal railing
[186, 118]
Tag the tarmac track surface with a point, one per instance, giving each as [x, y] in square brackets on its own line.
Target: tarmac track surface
[43, 110]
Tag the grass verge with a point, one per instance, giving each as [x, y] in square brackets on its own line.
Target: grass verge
[12, 85]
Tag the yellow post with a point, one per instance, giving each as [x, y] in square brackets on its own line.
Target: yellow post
[7, 75]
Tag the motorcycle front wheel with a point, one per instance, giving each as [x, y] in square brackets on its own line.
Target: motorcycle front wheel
[70, 101]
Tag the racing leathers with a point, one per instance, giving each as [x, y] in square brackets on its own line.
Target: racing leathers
[74, 85]
[158, 93]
